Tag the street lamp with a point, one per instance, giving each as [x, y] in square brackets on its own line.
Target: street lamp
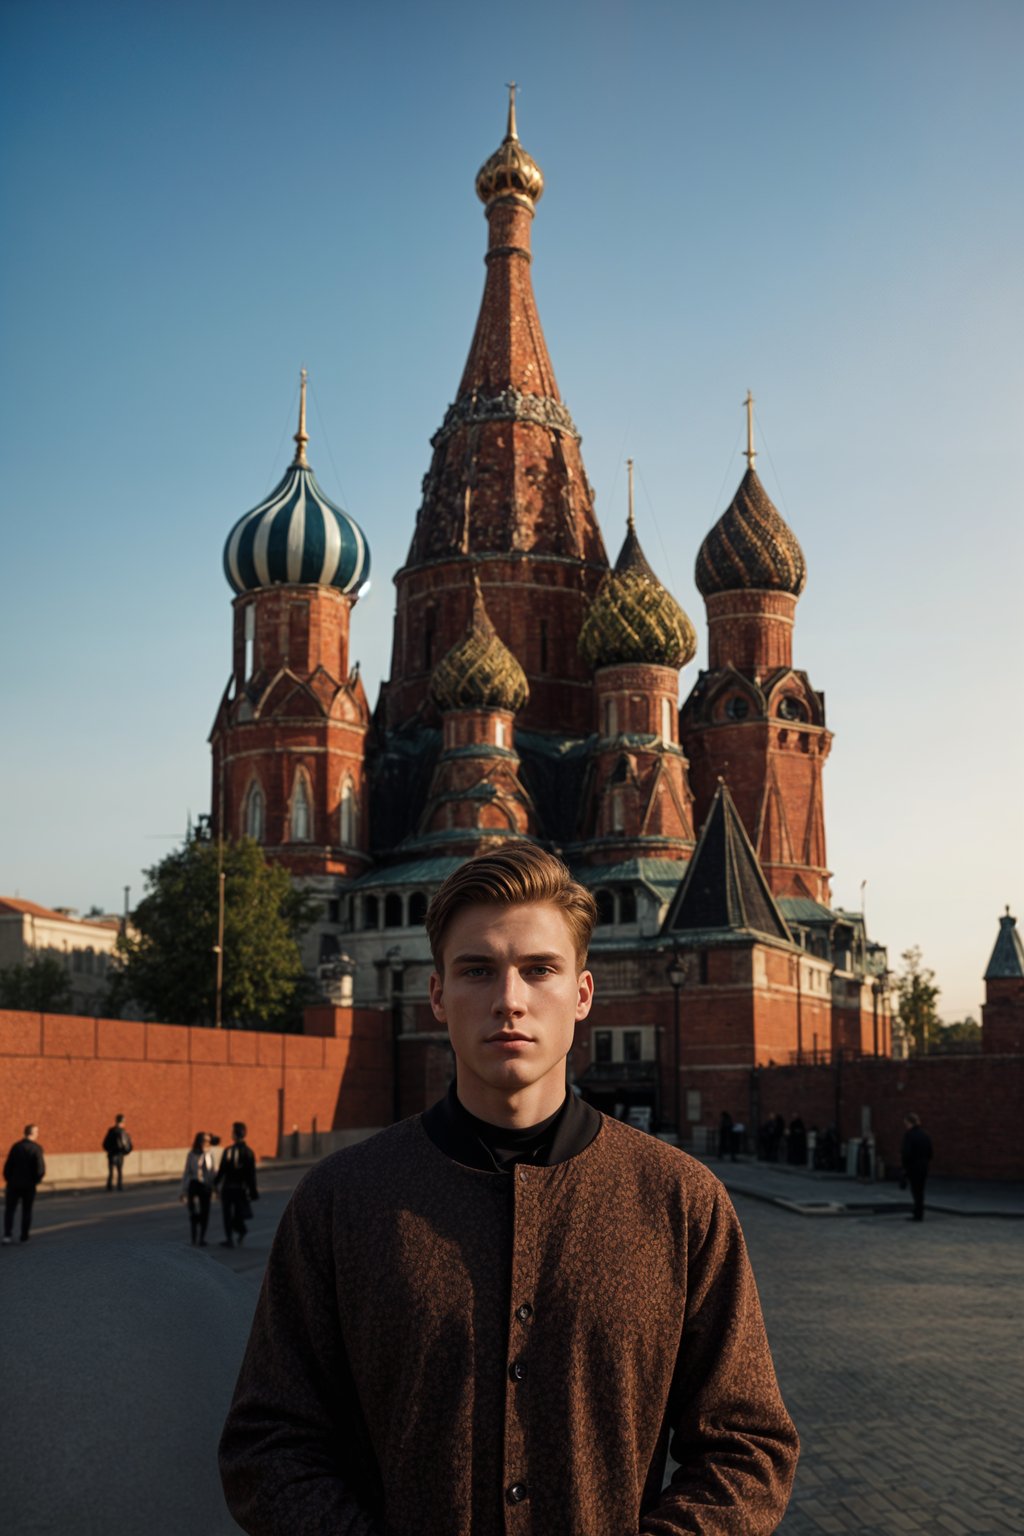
[677, 973]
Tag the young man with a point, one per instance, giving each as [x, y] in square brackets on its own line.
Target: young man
[236, 1182]
[24, 1169]
[117, 1144]
[499, 1316]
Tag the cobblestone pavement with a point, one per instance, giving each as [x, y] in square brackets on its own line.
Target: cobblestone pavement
[898, 1348]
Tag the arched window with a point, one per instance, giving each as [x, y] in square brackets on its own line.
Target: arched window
[417, 908]
[369, 911]
[627, 904]
[302, 810]
[347, 818]
[499, 733]
[605, 907]
[392, 910]
[254, 812]
[666, 719]
[611, 717]
[618, 811]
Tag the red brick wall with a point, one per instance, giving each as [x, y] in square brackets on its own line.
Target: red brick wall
[72, 1075]
[969, 1105]
[1002, 1016]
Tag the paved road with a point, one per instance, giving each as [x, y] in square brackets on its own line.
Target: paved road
[898, 1349]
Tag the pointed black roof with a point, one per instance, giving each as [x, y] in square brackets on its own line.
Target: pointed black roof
[1008, 956]
[725, 887]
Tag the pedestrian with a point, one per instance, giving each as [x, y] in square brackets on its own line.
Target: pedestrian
[739, 1134]
[197, 1185]
[915, 1155]
[497, 1315]
[724, 1134]
[24, 1169]
[797, 1142]
[117, 1144]
[236, 1184]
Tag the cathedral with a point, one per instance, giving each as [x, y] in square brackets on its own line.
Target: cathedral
[534, 692]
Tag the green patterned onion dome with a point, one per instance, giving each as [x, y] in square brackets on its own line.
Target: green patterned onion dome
[634, 619]
[750, 546]
[479, 672]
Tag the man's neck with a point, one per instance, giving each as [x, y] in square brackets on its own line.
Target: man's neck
[513, 1112]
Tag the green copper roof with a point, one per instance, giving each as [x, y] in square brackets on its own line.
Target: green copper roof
[1007, 962]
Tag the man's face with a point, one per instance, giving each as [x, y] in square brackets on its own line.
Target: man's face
[511, 996]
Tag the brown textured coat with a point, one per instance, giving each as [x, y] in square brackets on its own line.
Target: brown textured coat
[439, 1351]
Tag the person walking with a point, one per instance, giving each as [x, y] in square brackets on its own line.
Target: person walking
[24, 1169]
[197, 1186]
[117, 1144]
[915, 1156]
[236, 1184]
[724, 1134]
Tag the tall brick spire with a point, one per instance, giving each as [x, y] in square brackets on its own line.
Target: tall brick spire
[506, 496]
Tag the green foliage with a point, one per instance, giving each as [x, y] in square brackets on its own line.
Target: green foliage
[960, 1036]
[168, 957]
[40, 986]
[916, 994]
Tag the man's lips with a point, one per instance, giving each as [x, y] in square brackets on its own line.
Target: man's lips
[508, 1037]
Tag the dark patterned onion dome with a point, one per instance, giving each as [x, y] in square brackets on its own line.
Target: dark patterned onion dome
[633, 618]
[510, 171]
[750, 546]
[479, 672]
[297, 536]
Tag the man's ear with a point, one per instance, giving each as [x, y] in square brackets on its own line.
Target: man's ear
[584, 995]
[436, 985]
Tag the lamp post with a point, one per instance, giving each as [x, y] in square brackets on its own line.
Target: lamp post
[677, 972]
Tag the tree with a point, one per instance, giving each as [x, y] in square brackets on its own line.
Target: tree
[39, 986]
[916, 993]
[168, 959]
[960, 1036]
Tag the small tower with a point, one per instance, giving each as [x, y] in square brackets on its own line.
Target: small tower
[476, 797]
[635, 639]
[289, 738]
[1002, 1013]
[751, 719]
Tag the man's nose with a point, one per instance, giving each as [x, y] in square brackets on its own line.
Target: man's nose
[509, 999]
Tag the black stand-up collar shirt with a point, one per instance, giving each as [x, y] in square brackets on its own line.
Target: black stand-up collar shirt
[496, 1149]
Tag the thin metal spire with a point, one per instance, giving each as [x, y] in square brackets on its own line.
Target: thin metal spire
[751, 451]
[510, 132]
[630, 521]
[301, 436]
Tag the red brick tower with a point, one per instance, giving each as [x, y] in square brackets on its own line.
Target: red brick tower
[476, 796]
[634, 640]
[751, 719]
[289, 738]
[506, 496]
[1002, 1013]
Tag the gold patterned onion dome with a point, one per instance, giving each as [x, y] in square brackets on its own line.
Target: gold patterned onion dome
[750, 546]
[510, 171]
[634, 619]
[479, 672]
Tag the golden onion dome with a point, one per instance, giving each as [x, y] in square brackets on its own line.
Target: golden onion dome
[633, 618]
[751, 545]
[510, 171]
[479, 672]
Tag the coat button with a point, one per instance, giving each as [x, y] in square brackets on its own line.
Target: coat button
[522, 1180]
[525, 1312]
[517, 1370]
[517, 1493]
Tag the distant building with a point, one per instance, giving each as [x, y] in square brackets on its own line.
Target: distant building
[83, 945]
[1002, 1013]
[534, 692]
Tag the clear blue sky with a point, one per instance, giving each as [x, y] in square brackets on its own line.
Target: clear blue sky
[818, 201]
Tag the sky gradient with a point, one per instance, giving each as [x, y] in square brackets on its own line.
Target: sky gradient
[816, 201]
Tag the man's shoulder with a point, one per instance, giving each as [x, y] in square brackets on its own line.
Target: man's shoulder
[370, 1165]
[624, 1147]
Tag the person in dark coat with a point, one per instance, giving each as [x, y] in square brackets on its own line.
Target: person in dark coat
[915, 1156]
[24, 1169]
[500, 1315]
[724, 1134]
[116, 1144]
[236, 1184]
[797, 1142]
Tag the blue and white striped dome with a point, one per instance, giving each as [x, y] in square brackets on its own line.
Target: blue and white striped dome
[297, 536]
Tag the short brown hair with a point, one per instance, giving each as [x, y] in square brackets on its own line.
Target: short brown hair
[513, 875]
